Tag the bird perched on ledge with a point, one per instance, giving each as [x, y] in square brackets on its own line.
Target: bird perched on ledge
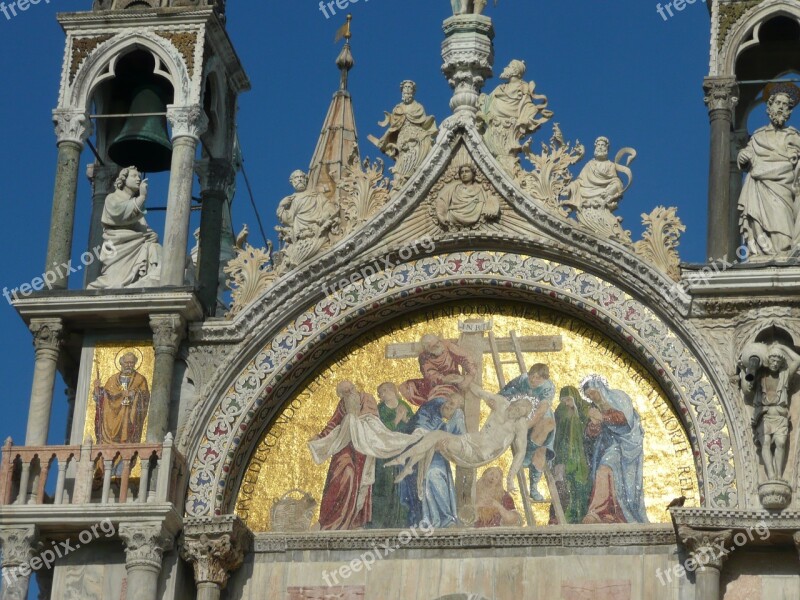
[677, 502]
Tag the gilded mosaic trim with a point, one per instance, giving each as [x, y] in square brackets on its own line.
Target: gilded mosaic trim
[185, 42]
[729, 14]
[81, 49]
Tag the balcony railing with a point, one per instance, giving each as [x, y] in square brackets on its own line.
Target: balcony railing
[89, 474]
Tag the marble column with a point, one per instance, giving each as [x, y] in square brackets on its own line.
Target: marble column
[18, 548]
[44, 580]
[216, 177]
[145, 545]
[102, 178]
[48, 337]
[188, 124]
[73, 128]
[721, 96]
[215, 547]
[168, 331]
[708, 550]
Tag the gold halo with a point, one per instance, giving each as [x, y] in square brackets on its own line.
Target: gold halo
[125, 351]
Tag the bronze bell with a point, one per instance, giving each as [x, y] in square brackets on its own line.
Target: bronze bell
[144, 141]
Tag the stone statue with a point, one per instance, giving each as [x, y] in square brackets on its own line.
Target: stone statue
[410, 135]
[131, 254]
[307, 219]
[510, 113]
[468, 7]
[768, 216]
[465, 202]
[766, 373]
[595, 194]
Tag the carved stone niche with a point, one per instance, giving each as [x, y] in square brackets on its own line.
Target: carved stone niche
[766, 369]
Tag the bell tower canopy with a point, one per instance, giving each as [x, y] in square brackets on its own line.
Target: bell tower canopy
[117, 5]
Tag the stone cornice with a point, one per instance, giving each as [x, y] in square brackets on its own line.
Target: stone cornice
[73, 22]
[571, 536]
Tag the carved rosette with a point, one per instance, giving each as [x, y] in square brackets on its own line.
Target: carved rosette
[48, 335]
[708, 548]
[468, 56]
[72, 126]
[187, 121]
[145, 545]
[168, 331]
[721, 94]
[215, 547]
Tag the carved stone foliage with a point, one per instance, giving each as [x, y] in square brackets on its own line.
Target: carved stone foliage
[721, 93]
[18, 545]
[463, 198]
[47, 334]
[551, 173]
[145, 544]
[251, 272]
[729, 15]
[187, 121]
[363, 191]
[72, 126]
[168, 331]
[215, 547]
[708, 548]
[660, 240]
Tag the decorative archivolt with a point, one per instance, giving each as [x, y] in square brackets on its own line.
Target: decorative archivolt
[222, 434]
[740, 21]
[84, 74]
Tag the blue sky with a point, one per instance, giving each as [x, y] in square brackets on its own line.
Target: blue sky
[609, 68]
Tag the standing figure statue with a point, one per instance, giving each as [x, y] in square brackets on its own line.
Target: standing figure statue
[766, 374]
[131, 254]
[596, 193]
[768, 215]
[510, 113]
[307, 219]
[469, 7]
[410, 135]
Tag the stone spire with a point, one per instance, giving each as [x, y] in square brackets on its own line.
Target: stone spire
[338, 140]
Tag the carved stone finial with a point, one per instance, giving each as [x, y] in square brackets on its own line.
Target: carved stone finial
[468, 56]
[215, 547]
[708, 548]
[145, 544]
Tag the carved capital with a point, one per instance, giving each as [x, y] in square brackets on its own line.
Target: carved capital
[145, 544]
[48, 334]
[708, 548]
[72, 126]
[187, 121]
[168, 331]
[18, 545]
[215, 547]
[102, 178]
[721, 93]
[215, 175]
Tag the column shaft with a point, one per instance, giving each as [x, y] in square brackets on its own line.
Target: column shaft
[145, 545]
[179, 206]
[62, 219]
[48, 337]
[168, 331]
[102, 178]
[707, 583]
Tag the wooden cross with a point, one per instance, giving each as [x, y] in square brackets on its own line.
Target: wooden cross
[477, 344]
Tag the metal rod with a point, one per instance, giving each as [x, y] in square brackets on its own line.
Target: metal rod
[163, 208]
[253, 202]
[763, 81]
[96, 154]
[127, 115]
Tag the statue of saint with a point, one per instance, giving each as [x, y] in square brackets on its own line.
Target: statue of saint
[465, 203]
[510, 113]
[596, 193]
[766, 374]
[307, 219]
[121, 404]
[131, 254]
[410, 135]
[468, 7]
[768, 217]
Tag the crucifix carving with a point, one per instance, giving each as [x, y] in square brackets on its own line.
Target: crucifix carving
[476, 343]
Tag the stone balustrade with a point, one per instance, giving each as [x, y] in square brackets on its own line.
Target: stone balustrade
[89, 474]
